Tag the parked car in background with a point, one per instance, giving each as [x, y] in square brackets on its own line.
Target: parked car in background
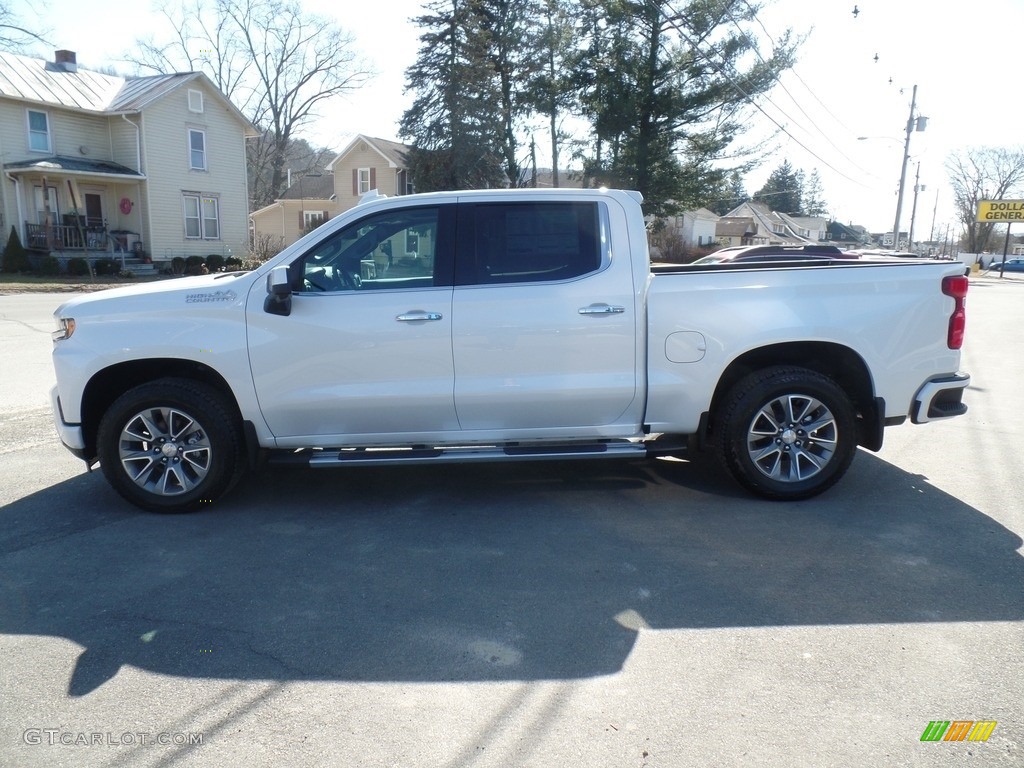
[1011, 265]
[746, 253]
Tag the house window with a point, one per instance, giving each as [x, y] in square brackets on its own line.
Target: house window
[38, 131]
[202, 217]
[364, 180]
[195, 101]
[196, 150]
[313, 219]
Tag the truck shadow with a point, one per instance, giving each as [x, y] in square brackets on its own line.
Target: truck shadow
[511, 572]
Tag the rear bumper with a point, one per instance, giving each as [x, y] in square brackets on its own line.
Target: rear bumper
[940, 398]
[70, 434]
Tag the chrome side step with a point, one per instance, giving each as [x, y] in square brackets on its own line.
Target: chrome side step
[454, 454]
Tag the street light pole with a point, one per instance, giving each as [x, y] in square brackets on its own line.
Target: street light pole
[903, 174]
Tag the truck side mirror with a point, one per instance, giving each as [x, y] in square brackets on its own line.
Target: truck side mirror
[279, 292]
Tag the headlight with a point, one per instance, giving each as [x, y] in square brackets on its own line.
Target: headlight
[65, 327]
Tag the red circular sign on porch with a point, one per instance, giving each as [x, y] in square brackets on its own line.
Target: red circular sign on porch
[126, 205]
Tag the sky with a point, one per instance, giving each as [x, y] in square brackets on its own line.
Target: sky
[963, 63]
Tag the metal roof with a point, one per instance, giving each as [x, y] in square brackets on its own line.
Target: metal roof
[47, 82]
[72, 165]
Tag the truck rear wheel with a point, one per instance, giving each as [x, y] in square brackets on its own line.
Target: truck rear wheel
[170, 445]
[786, 433]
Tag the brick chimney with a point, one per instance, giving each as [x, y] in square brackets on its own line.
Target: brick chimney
[66, 60]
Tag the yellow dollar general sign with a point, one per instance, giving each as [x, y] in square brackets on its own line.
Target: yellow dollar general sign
[958, 730]
[1000, 210]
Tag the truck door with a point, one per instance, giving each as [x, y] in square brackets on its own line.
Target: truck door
[366, 349]
[544, 328]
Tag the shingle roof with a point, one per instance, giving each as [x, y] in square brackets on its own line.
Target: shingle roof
[392, 151]
[310, 187]
[735, 226]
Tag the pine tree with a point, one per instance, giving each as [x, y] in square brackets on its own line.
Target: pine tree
[455, 122]
[814, 196]
[782, 191]
[729, 194]
[661, 84]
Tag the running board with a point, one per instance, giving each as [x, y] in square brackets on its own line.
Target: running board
[457, 454]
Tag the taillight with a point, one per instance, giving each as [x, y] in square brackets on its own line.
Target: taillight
[956, 288]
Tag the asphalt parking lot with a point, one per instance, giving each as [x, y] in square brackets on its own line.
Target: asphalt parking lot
[580, 614]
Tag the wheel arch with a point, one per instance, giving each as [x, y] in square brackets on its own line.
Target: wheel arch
[840, 363]
[112, 382]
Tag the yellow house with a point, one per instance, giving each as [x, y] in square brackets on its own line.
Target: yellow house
[135, 169]
[365, 163]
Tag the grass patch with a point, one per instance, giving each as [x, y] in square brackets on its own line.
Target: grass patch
[18, 283]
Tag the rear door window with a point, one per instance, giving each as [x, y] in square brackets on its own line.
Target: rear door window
[527, 242]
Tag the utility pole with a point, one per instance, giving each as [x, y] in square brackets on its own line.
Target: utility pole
[935, 210]
[913, 209]
[903, 173]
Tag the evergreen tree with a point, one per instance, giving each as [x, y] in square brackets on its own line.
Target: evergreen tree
[549, 93]
[814, 196]
[728, 195]
[455, 123]
[14, 257]
[782, 191]
[513, 38]
[661, 83]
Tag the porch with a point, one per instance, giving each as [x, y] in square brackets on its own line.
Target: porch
[65, 237]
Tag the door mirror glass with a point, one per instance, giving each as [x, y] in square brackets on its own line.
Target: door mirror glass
[279, 292]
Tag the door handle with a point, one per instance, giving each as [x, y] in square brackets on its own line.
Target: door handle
[602, 309]
[418, 316]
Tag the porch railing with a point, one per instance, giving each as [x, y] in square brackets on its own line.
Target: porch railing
[62, 237]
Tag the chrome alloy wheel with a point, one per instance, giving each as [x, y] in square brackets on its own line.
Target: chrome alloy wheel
[165, 451]
[792, 438]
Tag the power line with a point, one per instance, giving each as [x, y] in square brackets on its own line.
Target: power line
[782, 85]
[750, 100]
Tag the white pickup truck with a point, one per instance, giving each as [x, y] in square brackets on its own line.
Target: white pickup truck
[502, 325]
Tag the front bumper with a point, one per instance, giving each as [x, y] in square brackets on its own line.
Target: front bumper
[70, 434]
[940, 399]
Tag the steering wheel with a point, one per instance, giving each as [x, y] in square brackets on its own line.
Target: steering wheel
[337, 279]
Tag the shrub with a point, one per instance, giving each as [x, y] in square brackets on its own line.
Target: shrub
[194, 265]
[232, 263]
[178, 265]
[214, 262]
[78, 266]
[49, 266]
[105, 267]
[15, 259]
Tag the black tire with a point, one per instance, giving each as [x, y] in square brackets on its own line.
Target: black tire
[786, 433]
[171, 445]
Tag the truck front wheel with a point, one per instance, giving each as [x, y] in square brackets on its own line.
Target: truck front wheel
[786, 433]
[170, 445]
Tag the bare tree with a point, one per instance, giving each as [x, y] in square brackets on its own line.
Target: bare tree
[14, 36]
[983, 173]
[275, 62]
